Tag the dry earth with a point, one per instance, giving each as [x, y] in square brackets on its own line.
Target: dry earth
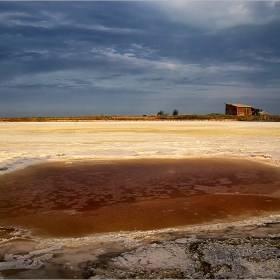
[25, 143]
[244, 248]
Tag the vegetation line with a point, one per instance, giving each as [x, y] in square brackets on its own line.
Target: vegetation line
[207, 117]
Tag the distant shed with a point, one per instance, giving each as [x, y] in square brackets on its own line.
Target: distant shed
[238, 109]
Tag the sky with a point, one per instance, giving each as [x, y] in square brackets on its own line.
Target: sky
[67, 58]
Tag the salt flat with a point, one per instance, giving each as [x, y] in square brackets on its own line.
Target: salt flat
[26, 143]
[139, 253]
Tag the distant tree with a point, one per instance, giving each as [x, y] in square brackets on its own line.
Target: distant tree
[175, 112]
[160, 113]
[256, 111]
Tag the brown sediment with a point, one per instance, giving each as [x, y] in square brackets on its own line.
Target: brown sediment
[82, 198]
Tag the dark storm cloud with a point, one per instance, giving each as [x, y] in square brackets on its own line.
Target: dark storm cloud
[139, 51]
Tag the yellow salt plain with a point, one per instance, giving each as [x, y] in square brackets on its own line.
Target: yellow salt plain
[26, 143]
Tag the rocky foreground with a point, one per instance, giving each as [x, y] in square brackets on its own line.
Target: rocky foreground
[242, 249]
[190, 257]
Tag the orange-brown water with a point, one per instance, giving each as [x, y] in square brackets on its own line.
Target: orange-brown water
[73, 200]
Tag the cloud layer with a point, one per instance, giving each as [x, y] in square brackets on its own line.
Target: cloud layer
[134, 58]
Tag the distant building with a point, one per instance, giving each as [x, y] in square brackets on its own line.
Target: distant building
[238, 109]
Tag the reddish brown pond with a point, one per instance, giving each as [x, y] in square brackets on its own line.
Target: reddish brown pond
[60, 199]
